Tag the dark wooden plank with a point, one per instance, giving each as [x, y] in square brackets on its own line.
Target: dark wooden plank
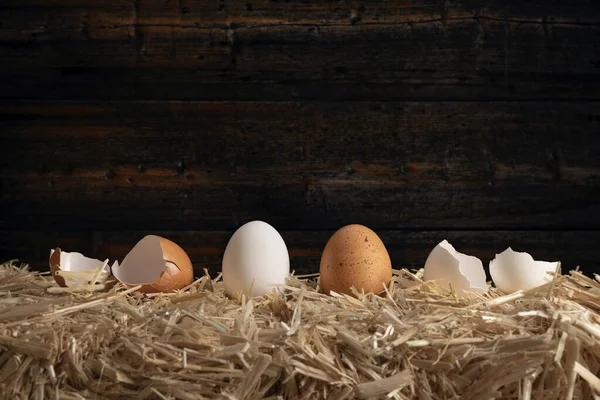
[407, 248]
[301, 165]
[35, 15]
[33, 247]
[450, 60]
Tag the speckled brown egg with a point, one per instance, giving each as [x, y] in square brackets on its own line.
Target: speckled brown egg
[355, 256]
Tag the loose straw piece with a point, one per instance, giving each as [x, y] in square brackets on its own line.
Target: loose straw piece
[32, 349]
[590, 378]
[500, 300]
[100, 271]
[393, 383]
[77, 289]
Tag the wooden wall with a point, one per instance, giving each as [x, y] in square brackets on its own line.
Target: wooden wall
[475, 121]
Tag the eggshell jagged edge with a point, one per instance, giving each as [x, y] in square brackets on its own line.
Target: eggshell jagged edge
[447, 267]
[147, 265]
[73, 262]
[512, 271]
[144, 264]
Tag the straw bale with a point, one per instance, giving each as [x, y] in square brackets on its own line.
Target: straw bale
[418, 341]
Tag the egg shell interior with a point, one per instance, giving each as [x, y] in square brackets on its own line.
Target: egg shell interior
[156, 263]
[65, 262]
[512, 271]
[450, 268]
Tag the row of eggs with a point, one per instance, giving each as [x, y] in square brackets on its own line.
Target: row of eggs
[256, 260]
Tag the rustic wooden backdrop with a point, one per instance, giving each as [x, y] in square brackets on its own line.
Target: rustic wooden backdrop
[475, 121]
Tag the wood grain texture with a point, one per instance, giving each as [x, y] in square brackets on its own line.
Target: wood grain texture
[36, 14]
[472, 120]
[408, 249]
[301, 165]
[201, 50]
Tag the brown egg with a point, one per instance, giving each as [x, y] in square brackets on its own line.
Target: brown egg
[145, 265]
[355, 256]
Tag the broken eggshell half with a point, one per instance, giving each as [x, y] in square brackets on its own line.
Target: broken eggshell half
[512, 271]
[448, 268]
[156, 263]
[73, 269]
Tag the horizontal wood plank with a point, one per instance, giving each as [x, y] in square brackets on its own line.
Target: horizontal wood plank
[37, 14]
[459, 59]
[408, 249]
[301, 165]
[33, 247]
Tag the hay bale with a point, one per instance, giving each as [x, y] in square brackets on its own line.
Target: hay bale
[417, 342]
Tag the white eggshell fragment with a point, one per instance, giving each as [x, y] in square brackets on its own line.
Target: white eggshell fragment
[144, 264]
[512, 271]
[255, 260]
[448, 268]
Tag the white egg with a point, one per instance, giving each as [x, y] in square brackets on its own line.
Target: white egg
[512, 271]
[448, 268]
[256, 258]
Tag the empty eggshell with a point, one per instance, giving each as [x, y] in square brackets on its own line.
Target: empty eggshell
[448, 268]
[256, 259]
[156, 263]
[71, 269]
[512, 271]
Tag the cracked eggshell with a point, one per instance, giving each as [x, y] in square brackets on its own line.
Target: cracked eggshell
[62, 261]
[448, 268]
[255, 260]
[156, 263]
[512, 271]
